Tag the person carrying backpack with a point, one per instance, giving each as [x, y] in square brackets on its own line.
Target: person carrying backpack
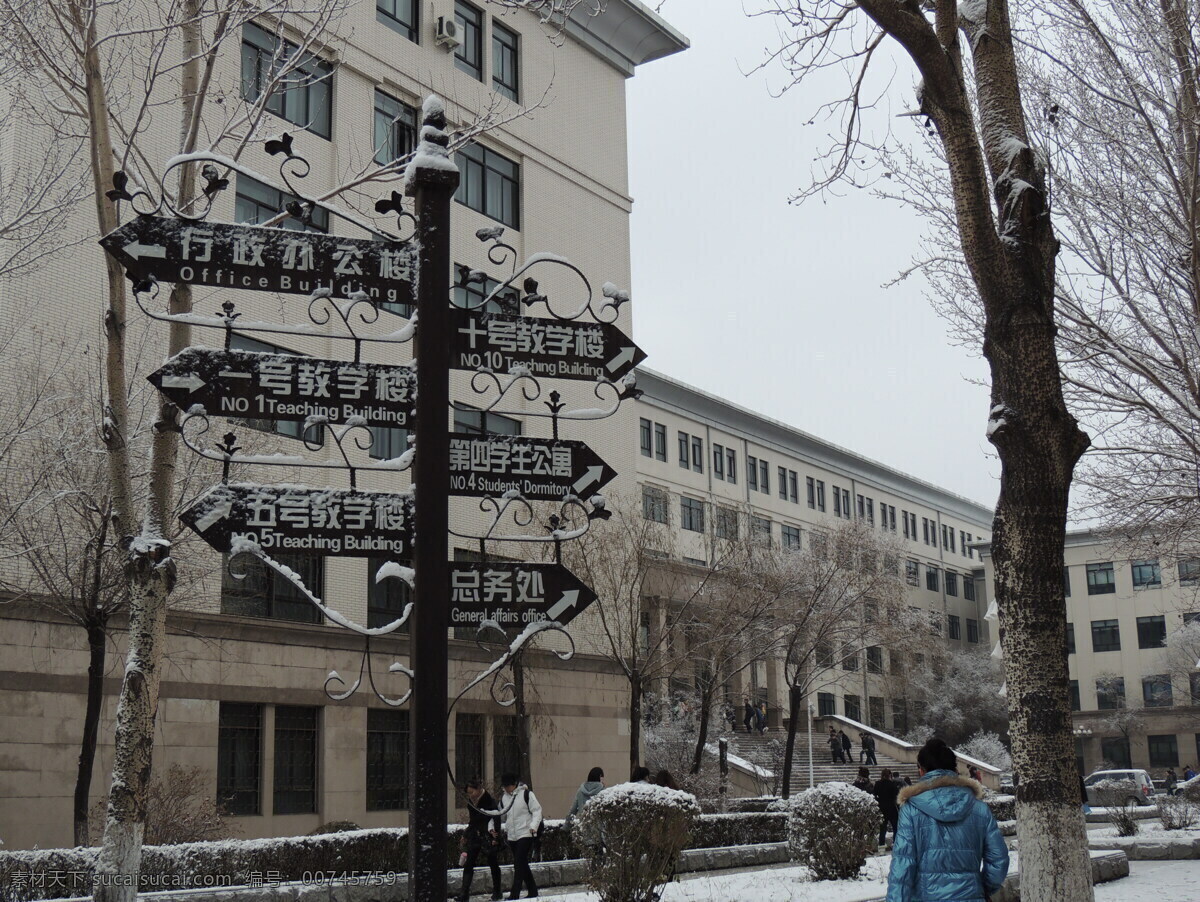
[522, 825]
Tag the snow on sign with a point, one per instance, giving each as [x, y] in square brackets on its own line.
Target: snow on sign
[226, 255]
[541, 469]
[515, 595]
[344, 522]
[256, 385]
[563, 349]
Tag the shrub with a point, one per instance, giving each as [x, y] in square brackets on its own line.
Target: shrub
[1177, 812]
[1113, 793]
[1003, 807]
[179, 809]
[738, 829]
[833, 828]
[635, 833]
[1122, 817]
[1191, 792]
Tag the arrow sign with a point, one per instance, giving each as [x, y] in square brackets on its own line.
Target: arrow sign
[226, 255]
[546, 347]
[541, 469]
[338, 522]
[273, 386]
[515, 594]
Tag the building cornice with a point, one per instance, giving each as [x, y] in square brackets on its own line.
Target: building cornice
[625, 33]
[687, 401]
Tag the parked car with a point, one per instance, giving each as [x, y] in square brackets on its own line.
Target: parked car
[1142, 795]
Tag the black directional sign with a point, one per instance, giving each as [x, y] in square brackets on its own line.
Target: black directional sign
[541, 469]
[339, 522]
[225, 255]
[256, 385]
[515, 595]
[546, 347]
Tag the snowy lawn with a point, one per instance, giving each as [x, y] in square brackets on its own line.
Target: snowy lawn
[1154, 881]
[1151, 830]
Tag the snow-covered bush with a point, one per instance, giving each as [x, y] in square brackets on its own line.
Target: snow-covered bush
[1003, 807]
[1119, 797]
[634, 833]
[179, 809]
[987, 747]
[1177, 812]
[833, 828]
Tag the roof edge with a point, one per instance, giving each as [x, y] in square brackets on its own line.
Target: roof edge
[625, 33]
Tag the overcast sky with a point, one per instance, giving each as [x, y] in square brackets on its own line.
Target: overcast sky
[777, 307]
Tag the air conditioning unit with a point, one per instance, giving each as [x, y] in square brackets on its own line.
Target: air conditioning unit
[447, 32]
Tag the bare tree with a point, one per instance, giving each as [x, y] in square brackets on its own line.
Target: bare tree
[970, 95]
[1181, 664]
[958, 691]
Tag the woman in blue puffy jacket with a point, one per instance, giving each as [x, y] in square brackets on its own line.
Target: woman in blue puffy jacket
[947, 846]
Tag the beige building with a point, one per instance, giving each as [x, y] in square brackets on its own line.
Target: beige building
[1136, 702]
[242, 697]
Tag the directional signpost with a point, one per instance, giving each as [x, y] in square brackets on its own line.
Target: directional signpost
[546, 347]
[541, 469]
[514, 595]
[226, 255]
[254, 385]
[339, 522]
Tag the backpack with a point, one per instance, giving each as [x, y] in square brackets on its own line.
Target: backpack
[535, 851]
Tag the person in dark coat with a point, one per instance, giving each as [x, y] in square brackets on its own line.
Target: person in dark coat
[835, 746]
[847, 745]
[948, 847]
[750, 715]
[864, 780]
[886, 789]
[481, 836]
[868, 749]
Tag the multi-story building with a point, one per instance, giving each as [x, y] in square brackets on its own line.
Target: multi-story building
[1136, 703]
[242, 695]
[702, 460]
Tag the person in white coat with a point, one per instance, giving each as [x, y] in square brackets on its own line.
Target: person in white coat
[522, 820]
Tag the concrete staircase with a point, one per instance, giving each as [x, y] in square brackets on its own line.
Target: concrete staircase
[756, 748]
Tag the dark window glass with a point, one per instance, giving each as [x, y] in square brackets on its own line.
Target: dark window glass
[953, 626]
[1164, 751]
[725, 523]
[1075, 706]
[305, 101]
[793, 487]
[874, 659]
[478, 422]
[1194, 685]
[912, 573]
[849, 658]
[781, 474]
[697, 454]
[685, 459]
[1189, 570]
[931, 578]
[505, 61]
[289, 428]
[660, 441]
[837, 501]
[387, 759]
[810, 488]
[1101, 579]
[398, 15]
[1106, 635]
[468, 55]
[239, 758]
[853, 708]
[295, 760]
[764, 477]
[256, 202]
[731, 465]
[820, 496]
[1067, 582]
[972, 631]
[1116, 751]
[386, 600]
[1145, 573]
[388, 442]
[1156, 691]
[506, 757]
[395, 129]
[824, 654]
[644, 434]
[826, 704]
[468, 747]
[1152, 631]
[761, 531]
[1110, 693]
[264, 593]
[875, 704]
[899, 717]
[790, 537]
[654, 505]
[489, 183]
[951, 583]
[474, 290]
[718, 462]
[691, 514]
[1070, 638]
[752, 472]
[968, 587]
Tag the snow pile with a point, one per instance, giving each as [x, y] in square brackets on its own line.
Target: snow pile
[833, 829]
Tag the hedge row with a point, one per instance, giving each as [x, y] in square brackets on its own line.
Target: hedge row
[1004, 807]
[59, 873]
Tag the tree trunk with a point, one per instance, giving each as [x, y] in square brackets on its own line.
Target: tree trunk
[97, 633]
[524, 760]
[635, 722]
[789, 753]
[706, 703]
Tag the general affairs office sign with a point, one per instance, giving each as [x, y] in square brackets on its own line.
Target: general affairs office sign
[226, 255]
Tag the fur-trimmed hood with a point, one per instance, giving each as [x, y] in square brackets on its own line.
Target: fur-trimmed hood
[943, 795]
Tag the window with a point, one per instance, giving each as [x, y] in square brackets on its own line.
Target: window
[1164, 751]
[468, 55]
[478, 422]
[952, 583]
[388, 442]
[1106, 635]
[904, 518]
[870, 511]
[760, 531]
[953, 626]
[239, 758]
[790, 537]
[862, 507]
[1145, 573]
[1110, 693]
[825, 704]
[1100, 579]
[764, 477]
[781, 473]
[685, 459]
[644, 437]
[255, 202]
[1152, 631]
[925, 529]
[490, 184]
[725, 523]
[474, 290]
[1116, 751]
[654, 504]
[468, 747]
[1070, 638]
[899, 717]
[932, 578]
[731, 465]
[1156, 691]
[295, 760]
[1189, 570]
[968, 587]
[962, 541]
[1191, 617]
[306, 99]
[892, 517]
[691, 514]
[395, 129]
[794, 489]
[973, 631]
[718, 466]
[386, 600]
[849, 658]
[874, 659]
[1066, 582]
[1075, 704]
[912, 573]
[264, 593]
[875, 708]
[824, 654]
[660, 441]
[852, 707]
[837, 501]
[506, 754]
[1194, 686]
[752, 472]
[398, 15]
[820, 496]
[697, 561]
[697, 454]
[289, 428]
[387, 759]
[952, 548]
[505, 61]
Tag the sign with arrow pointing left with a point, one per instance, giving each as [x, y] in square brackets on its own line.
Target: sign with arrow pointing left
[540, 469]
[514, 595]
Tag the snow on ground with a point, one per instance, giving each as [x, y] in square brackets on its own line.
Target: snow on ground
[1150, 830]
[1154, 881]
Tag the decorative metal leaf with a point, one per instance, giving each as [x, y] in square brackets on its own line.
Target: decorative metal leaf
[213, 181]
[280, 145]
[392, 204]
[120, 184]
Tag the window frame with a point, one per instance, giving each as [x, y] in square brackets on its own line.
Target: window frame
[1146, 574]
[392, 20]
[656, 501]
[1152, 631]
[485, 172]
[1106, 627]
[1096, 586]
[295, 785]
[470, 21]
[501, 52]
[398, 121]
[275, 588]
[387, 763]
[263, 52]
[691, 514]
[238, 792]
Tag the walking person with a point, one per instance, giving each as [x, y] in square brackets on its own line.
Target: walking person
[847, 745]
[947, 845]
[587, 791]
[761, 717]
[522, 818]
[1171, 780]
[886, 789]
[835, 746]
[749, 713]
[868, 743]
[481, 836]
[864, 780]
